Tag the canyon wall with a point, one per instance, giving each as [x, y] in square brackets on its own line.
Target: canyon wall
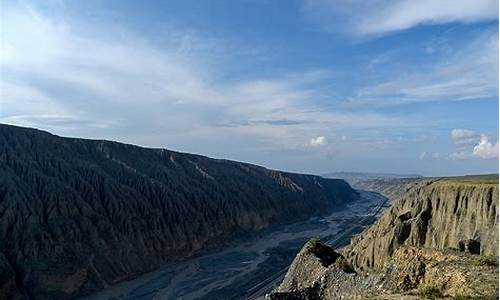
[439, 239]
[436, 214]
[78, 215]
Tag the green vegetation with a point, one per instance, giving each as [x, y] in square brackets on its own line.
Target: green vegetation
[470, 179]
[342, 264]
[463, 296]
[313, 244]
[490, 261]
[430, 291]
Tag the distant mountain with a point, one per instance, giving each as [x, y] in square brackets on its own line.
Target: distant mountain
[387, 184]
[363, 175]
[77, 215]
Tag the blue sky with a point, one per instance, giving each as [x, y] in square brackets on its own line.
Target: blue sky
[305, 86]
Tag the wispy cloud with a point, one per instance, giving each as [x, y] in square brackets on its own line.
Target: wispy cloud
[424, 155]
[464, 136]
[91, 82]
[468, 74]
[461, 155]
[385, 16]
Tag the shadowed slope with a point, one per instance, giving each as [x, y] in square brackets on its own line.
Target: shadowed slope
[77, 215]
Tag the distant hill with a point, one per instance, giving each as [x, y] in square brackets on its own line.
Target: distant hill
[363, 175]
[387, 184]
[77, 215]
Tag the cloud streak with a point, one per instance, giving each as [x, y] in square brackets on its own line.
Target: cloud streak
[470, 74]
[464, 136]
[93, 82]
[362, 18]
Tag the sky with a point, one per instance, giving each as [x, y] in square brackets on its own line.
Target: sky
[304, 86]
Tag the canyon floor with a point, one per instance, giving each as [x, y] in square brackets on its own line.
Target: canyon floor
[242, 264]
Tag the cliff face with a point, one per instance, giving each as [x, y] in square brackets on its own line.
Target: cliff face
[436, 214]
[439, 240]
[411, 273]
[77, 215]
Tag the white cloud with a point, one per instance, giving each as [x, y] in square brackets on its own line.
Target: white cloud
[470, 73]
[483, 147]
[462, 133]
[318, 141]
[434, 155]
[107, 82]
[464, 136]
[461, 155]
[486, 149]
[384, 16]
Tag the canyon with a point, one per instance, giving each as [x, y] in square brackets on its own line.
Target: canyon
[78, 215]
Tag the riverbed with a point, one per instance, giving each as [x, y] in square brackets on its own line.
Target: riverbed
[243, 264]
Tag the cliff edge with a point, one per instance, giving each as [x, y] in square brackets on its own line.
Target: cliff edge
[438, 240]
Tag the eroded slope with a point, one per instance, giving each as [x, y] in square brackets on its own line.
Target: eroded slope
[439, 240]
[77, 215]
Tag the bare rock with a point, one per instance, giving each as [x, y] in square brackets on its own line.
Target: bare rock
[435, 214]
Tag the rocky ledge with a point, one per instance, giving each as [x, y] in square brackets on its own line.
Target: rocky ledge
[438, 240]
[321, 273]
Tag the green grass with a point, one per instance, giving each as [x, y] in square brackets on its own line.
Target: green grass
[490, 261]
[471, 179]
[342, 264]
[430, 291]
[313, 243]
[460, 296]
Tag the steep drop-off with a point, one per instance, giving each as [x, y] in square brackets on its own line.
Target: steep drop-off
[320, 273]
[78, 215]
[438, 240]
[436, 214]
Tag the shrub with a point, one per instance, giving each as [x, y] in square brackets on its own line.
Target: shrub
[487, 261]
[342, 264]
[461, 296]
[430, 291]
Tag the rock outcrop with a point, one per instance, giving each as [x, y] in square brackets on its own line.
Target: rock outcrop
[436, 214]
[319, 272]
[411, 273]
[438, 240]
[78, 215]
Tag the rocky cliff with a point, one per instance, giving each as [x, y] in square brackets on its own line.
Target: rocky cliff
[436, 214]
[438, 240]
[321, 273]
[77, 215]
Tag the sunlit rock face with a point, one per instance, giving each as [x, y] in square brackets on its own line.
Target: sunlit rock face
[78, 215]
[438, 214]
[438, 240]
